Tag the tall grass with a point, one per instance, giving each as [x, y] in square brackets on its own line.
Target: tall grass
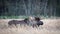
[22, 17]
[50, 27]
[13, 17]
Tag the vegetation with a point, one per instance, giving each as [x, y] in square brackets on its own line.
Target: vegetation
[15, 8]
[13, 17]
[51, 26]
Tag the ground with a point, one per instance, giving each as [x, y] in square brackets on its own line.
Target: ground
[51, 26]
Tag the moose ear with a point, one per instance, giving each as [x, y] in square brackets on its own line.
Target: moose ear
[37, 18]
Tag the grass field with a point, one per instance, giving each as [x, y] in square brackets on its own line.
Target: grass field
[51, 26]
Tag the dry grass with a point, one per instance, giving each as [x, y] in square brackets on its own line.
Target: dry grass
[51, 26]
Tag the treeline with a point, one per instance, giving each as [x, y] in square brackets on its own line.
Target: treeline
[29, 7]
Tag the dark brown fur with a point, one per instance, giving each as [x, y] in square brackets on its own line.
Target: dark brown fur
[27, 22]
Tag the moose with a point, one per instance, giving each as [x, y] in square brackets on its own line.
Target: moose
[15, 22]
[31, 21]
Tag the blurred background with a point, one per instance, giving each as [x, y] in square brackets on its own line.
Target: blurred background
[25, 8]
